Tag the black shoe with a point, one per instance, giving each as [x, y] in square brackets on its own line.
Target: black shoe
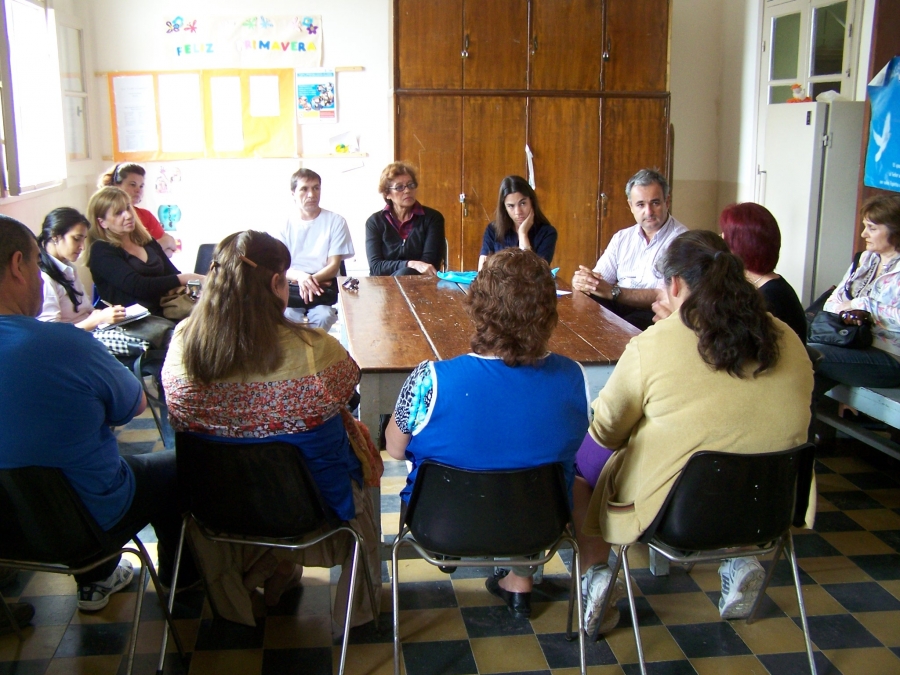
[519, 604]
[22, 612]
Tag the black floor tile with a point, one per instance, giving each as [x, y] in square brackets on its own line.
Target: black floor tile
[645, 613]
[796, 662]
[32, 667]
[871, 480]
[311, 661]
[863, 597]
[661, 668]
[838, 631]
[145, 664]
[768, 609]
[885, 567]
[427, 595]
[93, 639]
[677, 581]
[188, 605]
[812, 546]
[783, 575]
[851, 500]
[889, 537]
[136, 448]
[896, 651]
[560, 653]
[291, 600]
[835, 521]
[217, 634]
[552, 589]
[14, 587]
[390, 504]
[820, 468]
[447, 657]
[395, 469]
[472, 572]
[699, 640]
[372, 633]
[493, 621]
[52, 610]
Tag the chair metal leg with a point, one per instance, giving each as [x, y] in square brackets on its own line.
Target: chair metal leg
[789, 552]
[12, 620]
[351, 594]
[576, 556]
[162, 599]
[395, 598]
[606, 601]
[139, 601]
[623, 555]
[171, 603]
[769, 574]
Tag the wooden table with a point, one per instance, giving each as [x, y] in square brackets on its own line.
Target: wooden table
[391, 324]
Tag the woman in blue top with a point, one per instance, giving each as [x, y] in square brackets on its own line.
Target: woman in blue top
[518, 222]
[510, 404]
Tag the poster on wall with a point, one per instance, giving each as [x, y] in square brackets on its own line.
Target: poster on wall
[883, 153]
[136, 113]
[316, 100]
[257, 41]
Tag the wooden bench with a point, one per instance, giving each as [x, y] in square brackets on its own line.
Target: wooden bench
[879, 404]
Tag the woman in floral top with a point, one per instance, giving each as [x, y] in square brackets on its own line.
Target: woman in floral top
[869, 292]
[238, 371]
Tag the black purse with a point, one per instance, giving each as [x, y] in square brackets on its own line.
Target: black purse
[828, 328]
[329, 296]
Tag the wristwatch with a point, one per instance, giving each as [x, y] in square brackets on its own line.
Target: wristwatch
[615, 292]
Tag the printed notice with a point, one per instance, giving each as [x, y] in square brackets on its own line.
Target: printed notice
[135, 113]
[181, 113]
[264, 99]
[227, 119]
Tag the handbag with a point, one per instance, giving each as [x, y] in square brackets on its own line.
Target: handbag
[329, 296]
[118, 342]
[154, 330]
[177, 303]
[829, 329]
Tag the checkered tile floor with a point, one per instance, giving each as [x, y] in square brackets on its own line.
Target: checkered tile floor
[450, 625]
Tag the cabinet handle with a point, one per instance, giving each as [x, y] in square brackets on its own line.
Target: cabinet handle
[607, 50]
[534, 45]
[462, 200]
[465, 49]
[603, 200]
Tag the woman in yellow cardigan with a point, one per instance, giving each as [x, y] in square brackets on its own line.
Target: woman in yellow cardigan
[719, 373]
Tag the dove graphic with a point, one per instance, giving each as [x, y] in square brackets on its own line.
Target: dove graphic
[881, 140]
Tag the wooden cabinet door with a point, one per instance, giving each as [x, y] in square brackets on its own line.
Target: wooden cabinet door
[634, 136]
[429, 44]
[566, 44]
[567, 175]
[497, 37]
[428, 132]
[493, 148]
[637, 43]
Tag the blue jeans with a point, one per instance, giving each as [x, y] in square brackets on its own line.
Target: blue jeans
[854, 367]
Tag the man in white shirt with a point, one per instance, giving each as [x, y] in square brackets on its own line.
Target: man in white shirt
[318, 241]
[625, 280]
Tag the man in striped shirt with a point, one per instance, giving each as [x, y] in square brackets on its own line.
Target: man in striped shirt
[625, 280]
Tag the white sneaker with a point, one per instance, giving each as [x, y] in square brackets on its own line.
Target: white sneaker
[594, 586]
[742, 579]
[95, 596]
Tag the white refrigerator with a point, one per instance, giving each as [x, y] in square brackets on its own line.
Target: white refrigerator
[811, 173]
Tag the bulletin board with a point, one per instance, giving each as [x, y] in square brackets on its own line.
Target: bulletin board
[202, 114]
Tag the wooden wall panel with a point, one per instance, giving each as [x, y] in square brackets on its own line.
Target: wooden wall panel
[493, 148]
[498, 44]
[567, 175]
[568, 35]
[637, 34]
[634, 135]
[428, 44]
[428, 135]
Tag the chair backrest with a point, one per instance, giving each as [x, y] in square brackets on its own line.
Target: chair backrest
[725, 499]
[249, 489]
[204, 258]
[43, 520]
[472, 513]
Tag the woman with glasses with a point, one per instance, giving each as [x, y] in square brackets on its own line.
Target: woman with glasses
[518, 222]
[404, 237]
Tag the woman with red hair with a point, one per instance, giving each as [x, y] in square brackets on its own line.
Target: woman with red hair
[752, 234]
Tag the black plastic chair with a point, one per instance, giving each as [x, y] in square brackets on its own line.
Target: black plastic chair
[516, 518]
[727, 505]
[204, 258]
[258, 494]
[45, 527]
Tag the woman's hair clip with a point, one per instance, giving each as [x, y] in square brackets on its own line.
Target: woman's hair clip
[214, 265]
[248, 261]
[115, 177]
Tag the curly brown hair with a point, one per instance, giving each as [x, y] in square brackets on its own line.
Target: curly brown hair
[512, 303]
[392, 171]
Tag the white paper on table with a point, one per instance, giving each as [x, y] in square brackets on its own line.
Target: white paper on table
[227, 114]
[264, 100]
[135, 113]
[181, 112]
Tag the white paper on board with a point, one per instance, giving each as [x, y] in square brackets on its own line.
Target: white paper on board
[264, 100]
[181, 113]
[135, 113]
[227, 115]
